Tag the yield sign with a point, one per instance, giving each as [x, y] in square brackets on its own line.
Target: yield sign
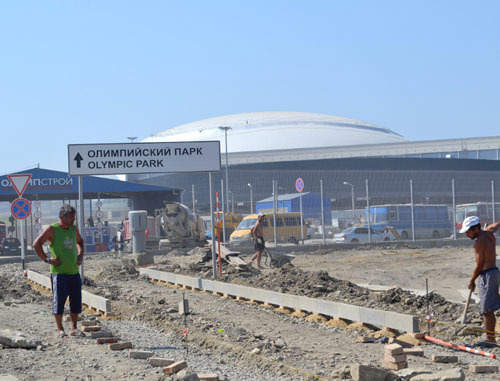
[20, 182]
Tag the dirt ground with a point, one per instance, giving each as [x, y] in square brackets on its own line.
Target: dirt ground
[284, 347]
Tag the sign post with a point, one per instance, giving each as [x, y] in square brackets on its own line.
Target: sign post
[130, 158]
[20, 207]
[299, 186]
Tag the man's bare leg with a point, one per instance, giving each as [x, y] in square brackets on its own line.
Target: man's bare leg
[254, 257]
[259, 257]
[489, 325]
[58, 318]
[74, 319]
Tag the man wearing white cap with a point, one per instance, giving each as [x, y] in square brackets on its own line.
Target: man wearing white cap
[486, 270]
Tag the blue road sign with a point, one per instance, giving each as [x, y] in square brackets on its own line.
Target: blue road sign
[299, 184]
[20, 208]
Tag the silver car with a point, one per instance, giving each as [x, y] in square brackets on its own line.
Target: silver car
[356, 234]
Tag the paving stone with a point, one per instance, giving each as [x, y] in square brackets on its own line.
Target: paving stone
[137, 354]
[393, 349]
[107, 340]
[91, 328]
[395, 358]
[393, 340]
[408, 338]
[158, 361]
[395, 365]
[175, 367]
[483, 368]
[208, 377]
[367, 373]
[415, 351]
[98, 334]
[120, 346]
[444, 359]
[89, 323]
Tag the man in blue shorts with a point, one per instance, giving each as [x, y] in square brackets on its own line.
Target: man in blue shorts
[486, 270]
[66, 254]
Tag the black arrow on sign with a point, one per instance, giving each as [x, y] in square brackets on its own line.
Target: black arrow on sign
[78, 159]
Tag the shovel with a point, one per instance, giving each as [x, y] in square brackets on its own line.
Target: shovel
[465, 309]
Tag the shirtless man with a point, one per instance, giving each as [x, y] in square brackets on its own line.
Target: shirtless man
[486, 270]
[257, 234]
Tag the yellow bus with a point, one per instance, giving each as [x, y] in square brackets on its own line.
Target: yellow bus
[287, 228]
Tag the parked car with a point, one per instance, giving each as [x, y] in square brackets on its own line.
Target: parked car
[356, 234]
[11, 246]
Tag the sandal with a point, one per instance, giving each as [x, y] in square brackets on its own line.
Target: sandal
[77, 333]
[62, 334]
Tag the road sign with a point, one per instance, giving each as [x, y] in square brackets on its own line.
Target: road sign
[99, 203]
[37, 214]
[98, 225]
[20, 182]
[99, 214]
[20, 208]
[111, 159]
[299, 184]
[37, 226]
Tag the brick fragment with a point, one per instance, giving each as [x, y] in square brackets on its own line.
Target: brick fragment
[416, 351]
[207, 377]
[417, 335]
[120, 346]
[91, 328]
[158, 361]
[444, 358]
[137, 354]
[98, 334]
[107, 340]
[483, 368]
[175, 367]
[395, 358]
[89, 323]
[393, 349]
[393, 340]
[395, 365]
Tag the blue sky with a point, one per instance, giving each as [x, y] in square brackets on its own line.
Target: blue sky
[100, 71]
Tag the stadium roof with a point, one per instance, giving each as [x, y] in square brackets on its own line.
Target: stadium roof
[263, 131]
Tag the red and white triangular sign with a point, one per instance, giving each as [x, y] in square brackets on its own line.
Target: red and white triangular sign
[20, 182]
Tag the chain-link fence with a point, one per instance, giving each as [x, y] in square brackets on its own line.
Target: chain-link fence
[373, 205]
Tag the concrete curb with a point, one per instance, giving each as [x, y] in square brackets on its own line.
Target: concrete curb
[380, 318]
[93, 301]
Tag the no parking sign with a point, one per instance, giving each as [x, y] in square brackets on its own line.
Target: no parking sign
[299, 184]
[20, 208]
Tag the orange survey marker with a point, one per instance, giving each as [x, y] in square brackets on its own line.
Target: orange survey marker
[460, 347]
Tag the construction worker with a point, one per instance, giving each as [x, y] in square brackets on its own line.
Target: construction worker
[487, 272]
[258, 237]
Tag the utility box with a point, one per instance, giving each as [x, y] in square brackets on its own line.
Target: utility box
[138, 225]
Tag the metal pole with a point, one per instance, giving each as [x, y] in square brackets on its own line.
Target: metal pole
[368, 208]
[412, 212]
[352, 197]
[275, 186]
[493, 200]
[225, 129]
[322, 211]
[81, 218]
[251, 198]
[454, 209]
[194, 203]
[214, 262]
[301, 219]
[223, 211]
[22, 245]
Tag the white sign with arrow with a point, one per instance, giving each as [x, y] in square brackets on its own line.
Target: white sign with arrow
[111, 159]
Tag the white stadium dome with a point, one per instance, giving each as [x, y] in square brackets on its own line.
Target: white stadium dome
[266, 131]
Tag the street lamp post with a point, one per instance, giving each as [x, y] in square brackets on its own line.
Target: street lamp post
[225, 129]
[352, 199]
[132, 138]
[251, 197]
